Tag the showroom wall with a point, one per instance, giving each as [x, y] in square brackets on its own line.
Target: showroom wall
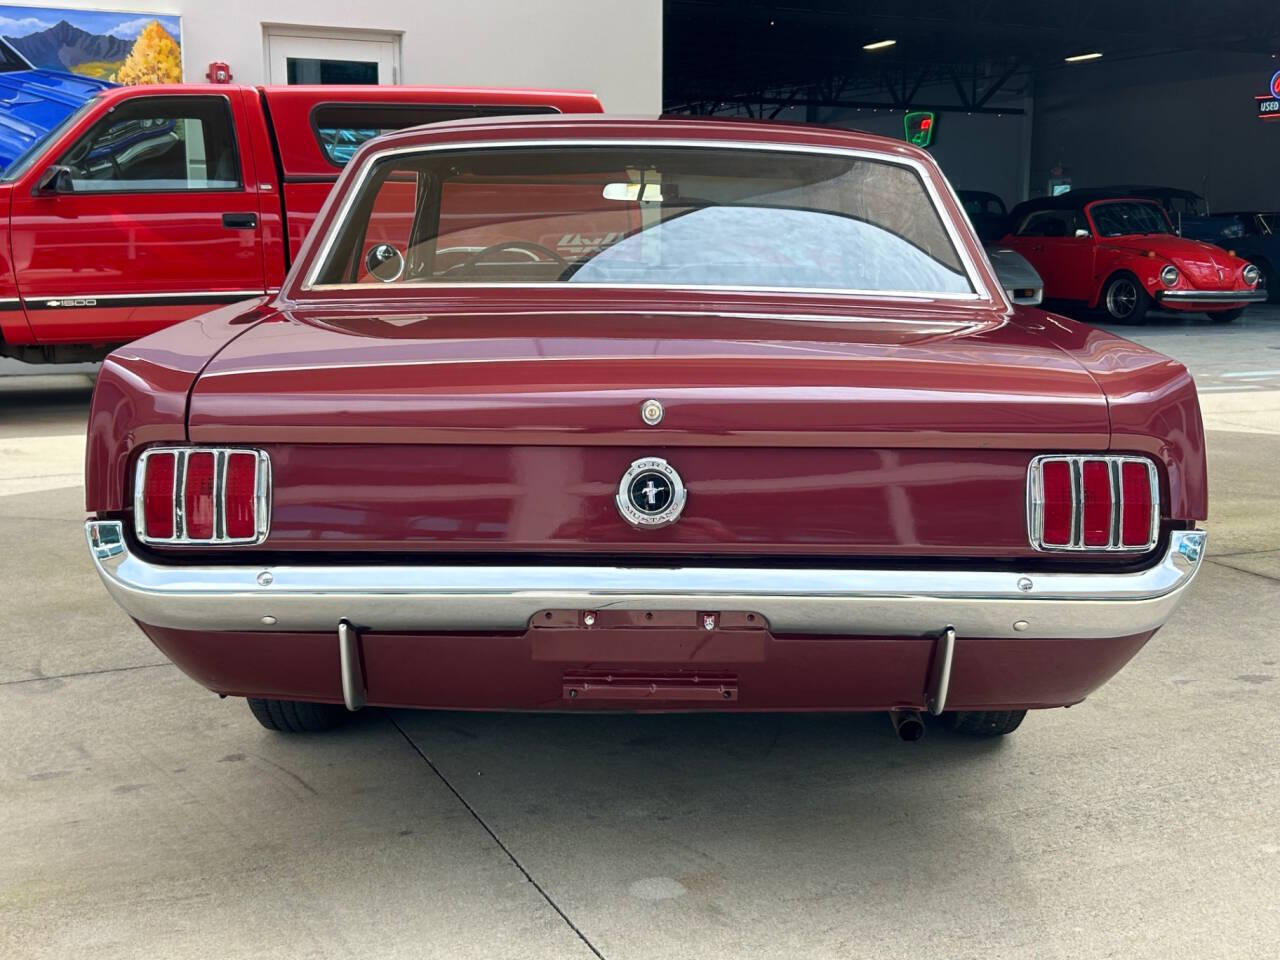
[609, 46]
[976, 151]
[1185, 120]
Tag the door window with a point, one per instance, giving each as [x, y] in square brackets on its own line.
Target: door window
[146, 144]
[1052, 223]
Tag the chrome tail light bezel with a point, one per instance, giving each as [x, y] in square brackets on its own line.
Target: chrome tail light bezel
[1075, 462]
[261, 497]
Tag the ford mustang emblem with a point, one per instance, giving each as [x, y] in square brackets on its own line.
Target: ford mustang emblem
[650, 494]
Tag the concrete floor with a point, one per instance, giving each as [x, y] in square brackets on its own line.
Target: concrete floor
[143, 817]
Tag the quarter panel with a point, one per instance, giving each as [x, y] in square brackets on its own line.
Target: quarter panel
[141, 397]
[1151, 403]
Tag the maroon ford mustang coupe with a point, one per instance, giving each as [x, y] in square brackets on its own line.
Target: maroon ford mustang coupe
[581, 413]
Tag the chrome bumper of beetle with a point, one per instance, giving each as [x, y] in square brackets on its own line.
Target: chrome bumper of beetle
[1212, 296]
[432, 598]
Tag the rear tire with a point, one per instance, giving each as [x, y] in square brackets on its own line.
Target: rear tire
[1226, 316]
[984, 723]
[1124, 300]
[297, 716]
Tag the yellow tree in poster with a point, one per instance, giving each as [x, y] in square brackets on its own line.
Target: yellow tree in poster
[155, 58]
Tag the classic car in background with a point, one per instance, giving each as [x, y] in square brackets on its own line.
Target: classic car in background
[1122, 256]
[575, 413]
[1019, 279]
[987, 212]
[1259, 243]
[1187, 210]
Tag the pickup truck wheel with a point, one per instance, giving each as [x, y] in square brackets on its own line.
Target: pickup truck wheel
[1124, 299]
[297, 716]
[984, 723]
[1226, 316]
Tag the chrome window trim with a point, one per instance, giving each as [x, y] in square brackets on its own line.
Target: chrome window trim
[262, 498]
[932, 188]
[1075, 462]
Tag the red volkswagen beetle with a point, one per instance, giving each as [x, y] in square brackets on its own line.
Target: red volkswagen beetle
[1122, 256]
[587, 413]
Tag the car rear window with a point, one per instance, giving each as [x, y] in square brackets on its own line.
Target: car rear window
[643, 214]
[342, 128]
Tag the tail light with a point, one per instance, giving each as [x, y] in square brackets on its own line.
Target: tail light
[202, 495]
[1092, 503]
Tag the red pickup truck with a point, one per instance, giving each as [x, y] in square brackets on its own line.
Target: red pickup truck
[147, 205]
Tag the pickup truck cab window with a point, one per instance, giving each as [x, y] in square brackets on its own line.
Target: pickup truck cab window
[342, 128]
[647, 214]
[176, 143]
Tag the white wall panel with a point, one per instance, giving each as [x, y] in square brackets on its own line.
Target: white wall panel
[609, 46]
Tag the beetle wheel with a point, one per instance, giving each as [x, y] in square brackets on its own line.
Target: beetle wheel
[1124, 300]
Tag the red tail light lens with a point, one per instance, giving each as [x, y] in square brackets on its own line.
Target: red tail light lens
[158, 496]
[197, 496]
[1059, 505]
[1092, 503]
[1095, 478]
[1136, 494]
[241, 495]
[203, 496]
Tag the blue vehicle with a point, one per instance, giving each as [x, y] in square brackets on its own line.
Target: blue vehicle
[34, 102]
[1259, 243]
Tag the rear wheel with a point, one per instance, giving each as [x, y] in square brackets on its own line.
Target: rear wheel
[1226, 316]
[984, 723]
[297, 716]
[1124, 300]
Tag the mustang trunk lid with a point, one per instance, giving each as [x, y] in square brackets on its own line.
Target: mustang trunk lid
[905, 433]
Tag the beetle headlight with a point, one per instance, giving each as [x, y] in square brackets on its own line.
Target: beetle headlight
[1169, 275]
[1250, 274]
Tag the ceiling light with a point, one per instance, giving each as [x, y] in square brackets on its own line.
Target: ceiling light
[1083, 56]
[879, 45]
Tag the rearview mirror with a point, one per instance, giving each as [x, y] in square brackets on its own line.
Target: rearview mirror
[384, 262]
[1082, 232]
[631, 191]
[57, 179]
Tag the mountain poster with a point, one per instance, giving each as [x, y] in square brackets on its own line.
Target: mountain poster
[124, 47]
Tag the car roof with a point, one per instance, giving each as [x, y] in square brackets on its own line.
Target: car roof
[611, 126]
[1138, 189]
[1073, 200]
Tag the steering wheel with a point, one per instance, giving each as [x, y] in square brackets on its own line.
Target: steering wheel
[523, 246]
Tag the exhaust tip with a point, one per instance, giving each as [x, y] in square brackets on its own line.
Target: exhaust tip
[907, 724]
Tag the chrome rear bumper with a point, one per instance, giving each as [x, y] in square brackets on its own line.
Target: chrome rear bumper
[443, 598]
[1211, 296]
